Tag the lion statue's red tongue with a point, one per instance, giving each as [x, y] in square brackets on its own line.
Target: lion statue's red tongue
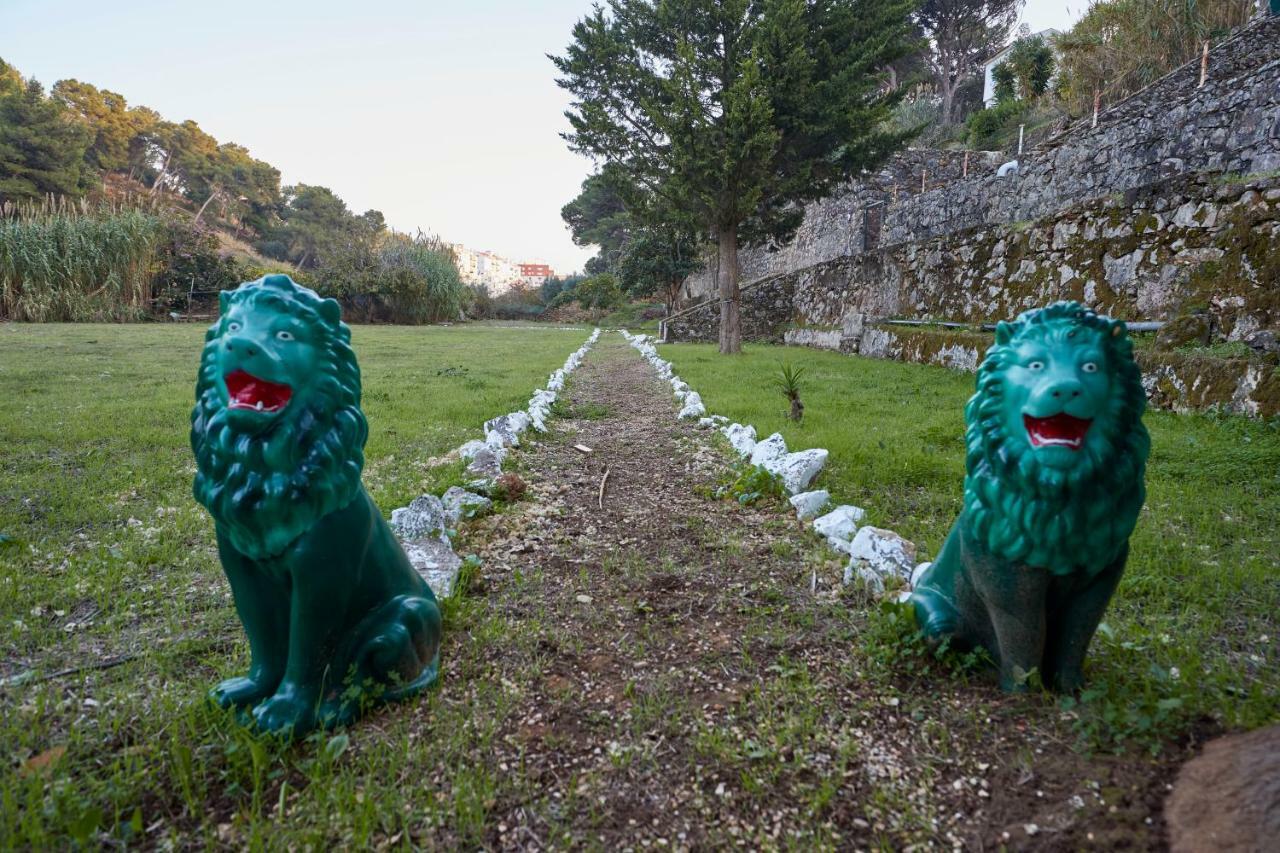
[249, 392]
[1060, 430]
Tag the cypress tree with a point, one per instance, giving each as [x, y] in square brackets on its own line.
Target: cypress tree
[736, 112]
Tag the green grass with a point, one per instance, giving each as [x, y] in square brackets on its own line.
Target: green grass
[1193, 629]
[106, 556]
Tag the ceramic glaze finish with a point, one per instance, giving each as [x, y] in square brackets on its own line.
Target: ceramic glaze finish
[337, 619]
[1056, 459]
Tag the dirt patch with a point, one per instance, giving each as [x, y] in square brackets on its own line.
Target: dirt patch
[684, 671]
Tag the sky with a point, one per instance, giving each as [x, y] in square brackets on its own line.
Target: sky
[443, 114]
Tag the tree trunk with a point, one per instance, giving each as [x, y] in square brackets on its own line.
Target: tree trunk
[164, 168]
[727, 279]
[948, 97]
[212, 195]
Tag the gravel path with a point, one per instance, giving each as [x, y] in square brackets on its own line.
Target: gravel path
[673, 669]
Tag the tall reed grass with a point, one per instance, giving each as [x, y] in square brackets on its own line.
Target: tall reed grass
[62, 261]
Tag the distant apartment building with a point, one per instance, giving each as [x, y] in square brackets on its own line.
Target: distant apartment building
[479, 267]
[534, 275]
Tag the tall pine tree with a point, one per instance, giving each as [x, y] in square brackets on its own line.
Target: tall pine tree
[736, 112]
[42, 148]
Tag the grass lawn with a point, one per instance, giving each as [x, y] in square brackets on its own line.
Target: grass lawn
[1192, 631]
[106, 556]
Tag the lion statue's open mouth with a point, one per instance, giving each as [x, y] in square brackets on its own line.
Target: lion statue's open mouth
[245, 391]
[1060, 430]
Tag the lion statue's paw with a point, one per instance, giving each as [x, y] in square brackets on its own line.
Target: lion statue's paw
[285, 714]
[240, 692]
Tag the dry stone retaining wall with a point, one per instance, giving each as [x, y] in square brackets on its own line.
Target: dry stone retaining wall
[1172, 128]
[1198, 244]
[844, 223]
[1169, 209]
[1179, 380]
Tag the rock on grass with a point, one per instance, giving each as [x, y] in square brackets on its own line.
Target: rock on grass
[809, 504]
[877, 555]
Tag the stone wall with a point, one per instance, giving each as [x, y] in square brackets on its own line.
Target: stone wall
[1230, 125]
[1207, 244]
[766, 314]
[842, 224]
[1160, 140]
[1201, 244]
[1168, 210]
[1180, 380]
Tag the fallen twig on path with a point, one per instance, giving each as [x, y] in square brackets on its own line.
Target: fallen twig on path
[30, 677]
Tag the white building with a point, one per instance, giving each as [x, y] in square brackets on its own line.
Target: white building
[480, 267]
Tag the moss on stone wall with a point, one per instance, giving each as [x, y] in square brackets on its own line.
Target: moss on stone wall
[1182, 380]
[1173, 248]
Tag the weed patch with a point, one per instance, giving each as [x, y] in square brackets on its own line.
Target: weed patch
[1191, 630]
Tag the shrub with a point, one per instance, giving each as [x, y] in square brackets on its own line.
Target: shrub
[476, 301]
[914, 116]
[1119, 46]
[599, 291]
[1027, 71]
[518, 304]
[987, 127]
[396, 279]
[189, 259]
[423, 282]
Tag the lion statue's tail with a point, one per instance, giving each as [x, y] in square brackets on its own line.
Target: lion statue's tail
[395, 654]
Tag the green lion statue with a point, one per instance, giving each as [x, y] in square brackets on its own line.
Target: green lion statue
[1056, 456]
[337, 618]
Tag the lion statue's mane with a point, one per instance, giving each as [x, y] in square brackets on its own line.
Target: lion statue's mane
[1026, 512]
[266, 490]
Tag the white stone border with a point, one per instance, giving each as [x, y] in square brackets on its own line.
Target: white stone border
[423, 525]
[874, 554]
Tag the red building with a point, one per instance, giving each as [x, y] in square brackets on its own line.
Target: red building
[533, 275]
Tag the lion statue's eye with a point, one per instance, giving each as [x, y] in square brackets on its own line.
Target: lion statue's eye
[233, 327]
[1089, 367]
[282, 335]
[1035, 365]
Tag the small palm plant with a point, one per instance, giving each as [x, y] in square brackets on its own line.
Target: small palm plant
[789, 384]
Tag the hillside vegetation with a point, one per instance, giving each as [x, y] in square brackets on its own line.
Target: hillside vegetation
[111, 212]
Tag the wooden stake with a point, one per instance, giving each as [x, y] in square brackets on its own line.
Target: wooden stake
[1097, 102]
[923, 174]
[603, 481]
[1204, 65]
[965, 172]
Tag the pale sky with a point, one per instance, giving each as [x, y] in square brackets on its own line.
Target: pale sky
[443, 115]
[1053, 14]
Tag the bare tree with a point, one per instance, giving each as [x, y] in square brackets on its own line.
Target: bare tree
[961, 34]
